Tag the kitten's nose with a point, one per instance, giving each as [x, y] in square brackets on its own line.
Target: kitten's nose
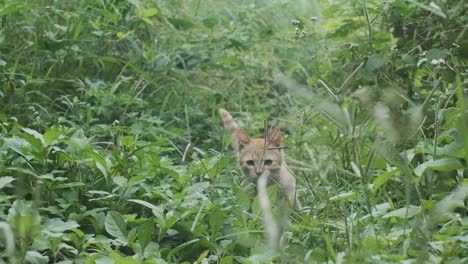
[258, 173]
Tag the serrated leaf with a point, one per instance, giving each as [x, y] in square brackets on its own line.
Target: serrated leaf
[115, 226]
[444, 164]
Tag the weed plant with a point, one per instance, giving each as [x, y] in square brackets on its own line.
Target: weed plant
[111, 150]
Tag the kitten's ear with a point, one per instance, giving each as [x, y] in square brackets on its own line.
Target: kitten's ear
[274, 137]
[242, 138]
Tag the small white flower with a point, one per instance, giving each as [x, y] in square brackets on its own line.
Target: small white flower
[423, 53]
[295, 22]
[116, 122]
[437, 62]
[313, 18]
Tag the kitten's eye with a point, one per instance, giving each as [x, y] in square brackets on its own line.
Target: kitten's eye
[268, 162]
[250, 163]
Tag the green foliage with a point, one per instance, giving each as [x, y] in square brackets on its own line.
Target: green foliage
[111, 150]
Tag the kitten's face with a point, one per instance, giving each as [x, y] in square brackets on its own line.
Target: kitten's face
[258, 156]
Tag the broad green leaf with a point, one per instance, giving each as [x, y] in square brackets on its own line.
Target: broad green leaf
[25, 171]
[202, 256]
[434, 54]
[433, 8]
[115, 226]
[180, 247]
[444, 164]
[155, 209]
[210, 22]
[3, 117]
[120, 181]
[227, 260]
[375, 62]
[5, 180]
[24, 218]
[197, 187]
[182, 24]
[216, 219]
[118, 259]
[243, 199]
[406, 212]
[17, 144]
[51, 136]
[150, 12]
[456, 199]
[145, 233]
[382, 179]
[56, 227]
[127, 141]
[102, 169]
[34, 257]
[35, 134]
[132, 236]
[8, 237]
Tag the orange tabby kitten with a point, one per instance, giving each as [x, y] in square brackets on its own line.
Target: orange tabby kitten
[262, 157]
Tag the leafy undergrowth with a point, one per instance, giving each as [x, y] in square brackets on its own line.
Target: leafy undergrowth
[111, 150]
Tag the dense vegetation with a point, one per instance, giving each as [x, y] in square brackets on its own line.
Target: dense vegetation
[111, 147]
